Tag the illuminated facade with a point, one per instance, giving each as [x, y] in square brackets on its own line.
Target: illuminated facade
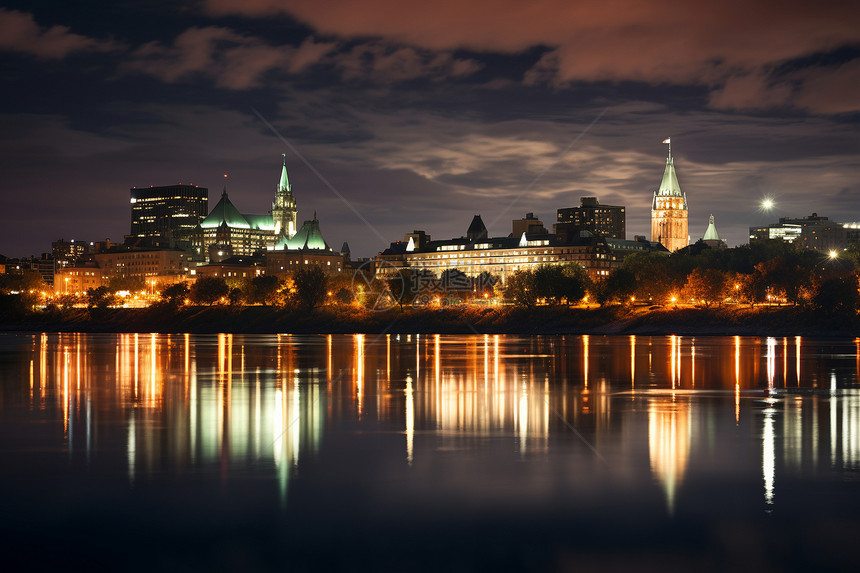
[669, 210]
[230, 232]
[306, 247]
[813, 233]
[169, 212]
[501, 256]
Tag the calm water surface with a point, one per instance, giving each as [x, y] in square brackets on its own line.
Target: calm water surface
[224, 453]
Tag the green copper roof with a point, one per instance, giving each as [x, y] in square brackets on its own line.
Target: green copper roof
[261, 222]
[308, 237]
[711, 233]
[284, 184]
[669, 185]
[225, 212]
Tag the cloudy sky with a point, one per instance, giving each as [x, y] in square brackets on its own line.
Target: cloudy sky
[400, 115]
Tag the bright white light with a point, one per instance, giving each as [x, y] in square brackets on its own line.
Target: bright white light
[767, 204]
[833, 254]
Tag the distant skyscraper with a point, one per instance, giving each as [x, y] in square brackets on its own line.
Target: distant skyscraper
[669, 210]
[604, 220]
[169, 212]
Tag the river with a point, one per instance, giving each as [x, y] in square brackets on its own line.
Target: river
[393, 452]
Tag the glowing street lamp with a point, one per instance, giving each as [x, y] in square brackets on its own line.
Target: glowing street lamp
[833, 254]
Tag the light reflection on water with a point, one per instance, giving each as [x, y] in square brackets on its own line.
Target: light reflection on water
[618, 418]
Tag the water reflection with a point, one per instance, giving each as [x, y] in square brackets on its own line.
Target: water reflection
[228, 405]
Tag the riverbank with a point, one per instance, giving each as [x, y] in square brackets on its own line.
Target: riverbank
[760, 321]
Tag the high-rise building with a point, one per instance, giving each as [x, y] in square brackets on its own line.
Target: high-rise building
[813, 232]
[169, 212]
[669, 209]
[603, 220]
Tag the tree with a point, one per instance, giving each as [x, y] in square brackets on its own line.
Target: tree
[575, 283]
[785, 276]
[208, 290]
[838, 295]
[235, 296]
[657, 276]
[264, 290]
[404, 286]
[99, 297]
[520, 288]
[310, 283]
[175, 294]
[618, 286]
[751, 288]
[706, 285]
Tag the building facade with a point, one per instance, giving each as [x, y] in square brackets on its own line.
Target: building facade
[669, 225]
[502, 256]
[604, 220]
[813, 233]
[168, 212]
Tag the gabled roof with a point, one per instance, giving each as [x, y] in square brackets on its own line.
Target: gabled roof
[225, 212]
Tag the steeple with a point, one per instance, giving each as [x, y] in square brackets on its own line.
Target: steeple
[669, 186]
[284, 184]
[284, 212]
[669, 208]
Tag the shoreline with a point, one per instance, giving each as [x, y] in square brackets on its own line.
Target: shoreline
[615, 320]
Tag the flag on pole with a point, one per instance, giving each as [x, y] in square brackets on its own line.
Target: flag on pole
[667, 140]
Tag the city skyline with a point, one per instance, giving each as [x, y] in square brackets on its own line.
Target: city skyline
[419, 120]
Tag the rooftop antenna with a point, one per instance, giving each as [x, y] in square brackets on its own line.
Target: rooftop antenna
[285, 158]
[668, 141]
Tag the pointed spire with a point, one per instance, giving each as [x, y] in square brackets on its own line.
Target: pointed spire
[669, 185]
[224, 192]
[284, 183]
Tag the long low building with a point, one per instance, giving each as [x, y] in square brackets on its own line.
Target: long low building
[475, 253]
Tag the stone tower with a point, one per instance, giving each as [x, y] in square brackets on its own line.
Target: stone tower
[669, 210]
[284, 210]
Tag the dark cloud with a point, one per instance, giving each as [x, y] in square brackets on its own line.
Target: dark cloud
[731, 45]
[233, 60]
[19, 32]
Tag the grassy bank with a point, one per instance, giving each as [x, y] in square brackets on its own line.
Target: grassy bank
[770, 321]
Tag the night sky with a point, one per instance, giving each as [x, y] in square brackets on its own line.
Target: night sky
[404, 115]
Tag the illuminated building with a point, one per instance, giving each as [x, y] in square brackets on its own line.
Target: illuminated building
[501, 256]
[669, 210]
[306, 247]
[168, 212]
[814, 233]
[238, 267]
[79, 278]
[604, 220]
[227, 230]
